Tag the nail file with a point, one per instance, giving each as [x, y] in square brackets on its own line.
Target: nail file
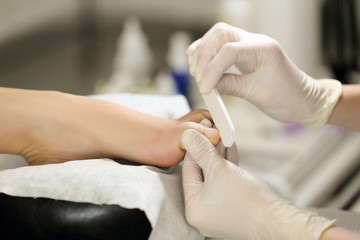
[220, 117]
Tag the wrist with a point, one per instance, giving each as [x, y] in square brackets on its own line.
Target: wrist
[327, 95]
[290, 222]
[335, 233]
[308, 226]
[346, 113]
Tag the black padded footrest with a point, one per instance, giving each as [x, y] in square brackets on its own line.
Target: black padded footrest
[48, 219]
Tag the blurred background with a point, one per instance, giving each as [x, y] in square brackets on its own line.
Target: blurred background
[114, 46]
[70, 45]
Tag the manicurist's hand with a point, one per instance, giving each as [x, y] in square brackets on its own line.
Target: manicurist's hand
[270, 80]
[52, 127]
[225, 201]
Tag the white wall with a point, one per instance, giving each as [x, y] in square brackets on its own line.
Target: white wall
[294, 24]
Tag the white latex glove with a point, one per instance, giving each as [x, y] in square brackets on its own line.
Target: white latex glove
[270, 80]
[225, 201]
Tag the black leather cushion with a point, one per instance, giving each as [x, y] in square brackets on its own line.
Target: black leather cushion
[41, 218]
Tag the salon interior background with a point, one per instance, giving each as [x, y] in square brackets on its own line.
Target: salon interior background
[69, 45]
[73, 46]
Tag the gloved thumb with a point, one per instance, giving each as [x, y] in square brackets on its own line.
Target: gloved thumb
[200, 149]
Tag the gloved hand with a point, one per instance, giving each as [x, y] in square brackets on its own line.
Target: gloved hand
[230, 153]
[223, 200]
[269, 79]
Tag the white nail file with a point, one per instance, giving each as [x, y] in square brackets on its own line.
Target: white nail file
[220, 117]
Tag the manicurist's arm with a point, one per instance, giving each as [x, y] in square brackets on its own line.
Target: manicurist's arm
[336, 233]
[347, 110]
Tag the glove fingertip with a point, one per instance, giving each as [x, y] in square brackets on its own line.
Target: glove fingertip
[191, 49]
[206, 122]
[191, 139]
[199, 148]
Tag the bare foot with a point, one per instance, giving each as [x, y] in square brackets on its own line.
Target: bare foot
[164, 148]
[51, 127]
